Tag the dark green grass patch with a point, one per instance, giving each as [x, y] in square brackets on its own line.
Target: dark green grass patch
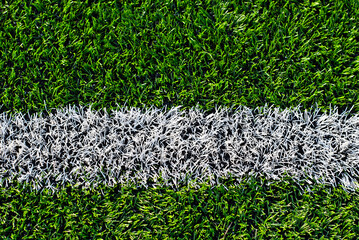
[252, 210]
[159, 53]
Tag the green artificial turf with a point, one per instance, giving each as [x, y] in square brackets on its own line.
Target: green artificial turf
[179, 53]
[253, 210]
[230, 53]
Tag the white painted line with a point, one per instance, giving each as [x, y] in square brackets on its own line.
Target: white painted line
[135, 145]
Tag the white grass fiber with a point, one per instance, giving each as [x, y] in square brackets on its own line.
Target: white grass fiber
[82, 147]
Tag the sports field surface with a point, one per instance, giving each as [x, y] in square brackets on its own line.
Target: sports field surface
[179, 119]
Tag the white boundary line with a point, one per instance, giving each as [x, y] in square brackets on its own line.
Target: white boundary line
[134, 145]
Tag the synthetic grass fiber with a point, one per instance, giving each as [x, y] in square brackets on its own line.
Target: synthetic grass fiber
[76, 144]
[57, 58]
[158, 53]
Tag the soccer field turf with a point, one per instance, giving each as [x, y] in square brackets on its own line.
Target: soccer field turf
[278, 161]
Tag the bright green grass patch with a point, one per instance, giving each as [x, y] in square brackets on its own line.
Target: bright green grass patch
[179, 53]
[253, 210]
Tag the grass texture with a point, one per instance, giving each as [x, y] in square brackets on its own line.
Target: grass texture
[180, 54]
[185, 53]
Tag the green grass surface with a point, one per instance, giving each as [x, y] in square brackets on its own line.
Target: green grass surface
[253, 210]
[179, 53]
